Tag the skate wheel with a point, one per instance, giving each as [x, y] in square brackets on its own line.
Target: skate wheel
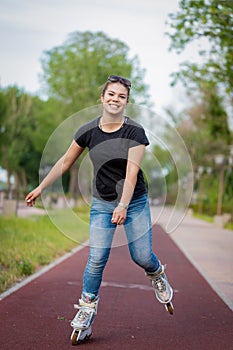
[169, 307]
[74, 336]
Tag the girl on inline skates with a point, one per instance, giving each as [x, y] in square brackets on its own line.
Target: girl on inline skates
[116, 146]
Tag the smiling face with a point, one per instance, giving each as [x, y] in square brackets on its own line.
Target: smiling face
[115, 98]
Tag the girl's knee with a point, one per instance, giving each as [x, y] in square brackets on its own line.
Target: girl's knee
[140, 260]
[147, 262]
[97, 260]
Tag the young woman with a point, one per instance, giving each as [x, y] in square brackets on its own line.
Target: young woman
[116, 147]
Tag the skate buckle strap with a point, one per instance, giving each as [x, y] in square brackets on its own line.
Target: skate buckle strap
[154, 275]
[163, 267]
[90, 305]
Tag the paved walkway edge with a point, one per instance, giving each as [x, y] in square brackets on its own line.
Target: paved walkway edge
[42, 271]
[194, 262]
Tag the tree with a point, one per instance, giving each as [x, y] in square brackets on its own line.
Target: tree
[26, 122]
[165, 179]
[206, 134]
[15, 132]
[201, 21]
[45, 116]
[206, 128]
[217, 119]
[75, 71]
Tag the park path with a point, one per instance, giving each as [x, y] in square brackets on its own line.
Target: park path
[37, 316]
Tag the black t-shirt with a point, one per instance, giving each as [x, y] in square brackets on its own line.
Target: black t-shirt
[109, 152]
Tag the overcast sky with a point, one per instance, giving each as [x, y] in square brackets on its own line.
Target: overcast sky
[28, 27]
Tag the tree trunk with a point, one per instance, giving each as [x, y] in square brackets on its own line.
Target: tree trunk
[8, 185]
[24, 181]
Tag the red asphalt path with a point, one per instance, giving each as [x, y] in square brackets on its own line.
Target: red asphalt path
[37, 316]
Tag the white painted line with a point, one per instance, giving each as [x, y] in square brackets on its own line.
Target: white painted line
[124, 286]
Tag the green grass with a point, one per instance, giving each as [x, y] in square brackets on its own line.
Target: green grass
[229, 226]
[203, 217]
[26, 245]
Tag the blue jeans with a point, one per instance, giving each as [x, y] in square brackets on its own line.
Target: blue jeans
[138, 229]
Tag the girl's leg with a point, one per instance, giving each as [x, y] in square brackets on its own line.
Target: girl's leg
[138, 229]
[139, 233]
[101, 236]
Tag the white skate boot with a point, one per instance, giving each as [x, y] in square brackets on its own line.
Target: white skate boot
[162, 288]
[83, 320]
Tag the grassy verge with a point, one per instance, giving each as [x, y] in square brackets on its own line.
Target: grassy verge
[203, 217]
[26, 245]
[229, 226]
[210, 219]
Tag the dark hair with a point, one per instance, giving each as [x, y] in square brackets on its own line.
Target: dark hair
[116, 79]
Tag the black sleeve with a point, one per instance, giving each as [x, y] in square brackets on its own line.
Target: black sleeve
[80, 137]
[138, 137]
[84, 133]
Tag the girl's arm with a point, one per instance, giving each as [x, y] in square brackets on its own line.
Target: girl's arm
[135, 157]
[61, 166]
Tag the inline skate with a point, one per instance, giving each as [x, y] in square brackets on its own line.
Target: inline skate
[83, 319]
[162, 288]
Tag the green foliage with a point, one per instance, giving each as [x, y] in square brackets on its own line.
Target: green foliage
[153, 175]
[161, 174]
[26, 124]
[206, 134]
[75, 71]
[47, 115]
[205, 130]
[209, 22]
[16, 125]
[216, 118]
[228, 192]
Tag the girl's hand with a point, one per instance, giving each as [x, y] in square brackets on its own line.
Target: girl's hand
[119, 215]
[31, 197]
